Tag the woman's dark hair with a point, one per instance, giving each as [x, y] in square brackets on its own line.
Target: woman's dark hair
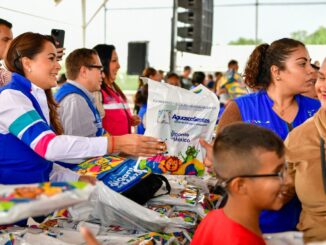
[147, 72]
[141, 95]
[257, 72]
[105, 53]
[28, 45]
[198, 78]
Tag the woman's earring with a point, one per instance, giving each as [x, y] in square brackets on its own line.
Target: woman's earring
[29, 70]
[278, 78]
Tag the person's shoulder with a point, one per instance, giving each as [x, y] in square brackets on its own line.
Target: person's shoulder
[237, 232]
[210, 230]
[9, 93]
[249, 97]
[73, 99]
[304, 127]
[300, 133]
[209, 222]
[309, 102]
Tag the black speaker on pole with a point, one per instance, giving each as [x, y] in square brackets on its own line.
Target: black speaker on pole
[137, 57]
[196, 34]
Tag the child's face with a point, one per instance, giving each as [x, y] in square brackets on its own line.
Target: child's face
[265, 192]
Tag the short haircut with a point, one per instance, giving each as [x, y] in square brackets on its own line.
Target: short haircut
[237, 147]
[78, 58]
[170, 75]
[198, 78]
[218, 73]
[187, 68]
[232, 62]
[5, 23]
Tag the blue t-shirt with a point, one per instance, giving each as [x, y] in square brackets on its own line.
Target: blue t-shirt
[141, 114]
[256, 108]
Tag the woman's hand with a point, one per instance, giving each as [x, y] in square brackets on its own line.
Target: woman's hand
[208, 161]
[88, 179]
[136, 145]
[135, 120]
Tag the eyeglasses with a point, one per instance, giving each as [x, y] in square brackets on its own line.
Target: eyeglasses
[95, 66]
[281, 174]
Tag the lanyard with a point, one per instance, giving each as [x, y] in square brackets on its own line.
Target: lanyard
[323, 162]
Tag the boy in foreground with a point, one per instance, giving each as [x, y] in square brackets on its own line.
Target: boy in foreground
[249, 161]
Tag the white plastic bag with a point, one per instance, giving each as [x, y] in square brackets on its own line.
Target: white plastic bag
[111, 208]
[179, 117]
[18, 202]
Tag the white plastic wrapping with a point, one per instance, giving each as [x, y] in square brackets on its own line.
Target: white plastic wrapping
[15, 207]
[111, 208]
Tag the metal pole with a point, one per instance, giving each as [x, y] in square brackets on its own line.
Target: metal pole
[105, 11]
[256, 23]
[173, 55]
[83, 3]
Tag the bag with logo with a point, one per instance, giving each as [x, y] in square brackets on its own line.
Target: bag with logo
[179, 117]
[137, 186]
[119, 174]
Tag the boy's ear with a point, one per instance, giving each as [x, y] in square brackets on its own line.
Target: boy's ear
[238, 185]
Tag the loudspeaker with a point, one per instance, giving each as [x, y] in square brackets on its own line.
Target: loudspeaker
[137, 57]
[197, 34]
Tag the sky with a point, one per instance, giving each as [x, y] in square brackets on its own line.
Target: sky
[150, 20]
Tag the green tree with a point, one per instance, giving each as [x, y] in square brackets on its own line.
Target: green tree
[245, 41]
[299, 35]
[317, 37]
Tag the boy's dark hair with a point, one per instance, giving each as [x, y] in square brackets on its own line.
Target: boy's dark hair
[171, 74]
[198, 78]
[237, 147]
[5, 23]
[187, 68]
[232, 62]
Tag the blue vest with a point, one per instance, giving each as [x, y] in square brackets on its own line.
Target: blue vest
[67, 89]
[19, 164]
[256, 108]
[141, 114]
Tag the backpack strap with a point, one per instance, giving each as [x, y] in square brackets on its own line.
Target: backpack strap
[167, 185]
[323, 162]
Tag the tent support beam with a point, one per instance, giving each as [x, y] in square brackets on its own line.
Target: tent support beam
[84, 25]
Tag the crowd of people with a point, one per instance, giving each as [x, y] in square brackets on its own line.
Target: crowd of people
[269, 186]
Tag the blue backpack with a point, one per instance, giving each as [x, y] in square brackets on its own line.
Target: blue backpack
[119, 174]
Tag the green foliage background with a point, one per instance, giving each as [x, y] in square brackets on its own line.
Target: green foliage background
[317, 37]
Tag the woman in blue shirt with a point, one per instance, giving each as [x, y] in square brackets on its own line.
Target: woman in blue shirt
[279, 73]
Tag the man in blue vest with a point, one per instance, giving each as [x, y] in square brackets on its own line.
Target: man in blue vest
[77, 109]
